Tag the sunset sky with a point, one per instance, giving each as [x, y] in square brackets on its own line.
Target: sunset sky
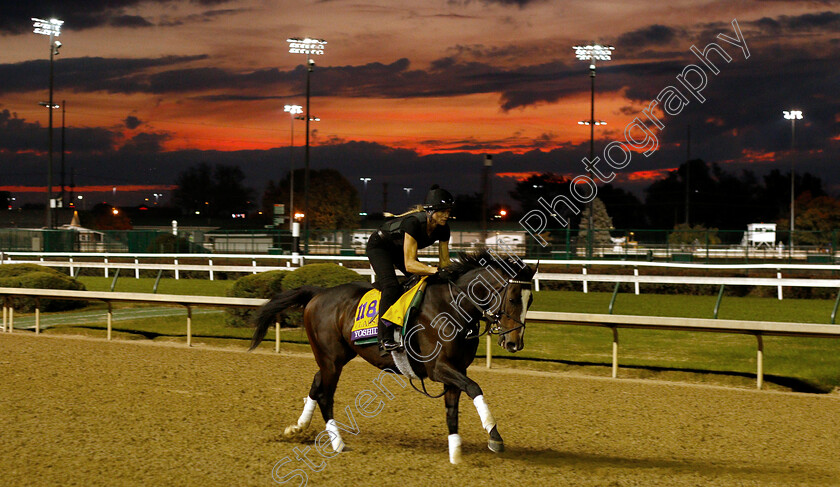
[409, 93]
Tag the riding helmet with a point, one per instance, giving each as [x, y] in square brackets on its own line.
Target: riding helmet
[438, 199]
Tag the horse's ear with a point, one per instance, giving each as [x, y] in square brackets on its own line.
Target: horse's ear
[536, 269]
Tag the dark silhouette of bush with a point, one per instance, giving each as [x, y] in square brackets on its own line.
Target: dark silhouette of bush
[39, 277]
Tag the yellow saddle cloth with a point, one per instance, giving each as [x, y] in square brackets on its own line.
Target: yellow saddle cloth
[364, 324]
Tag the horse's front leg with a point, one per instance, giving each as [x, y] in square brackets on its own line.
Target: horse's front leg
[454, 378]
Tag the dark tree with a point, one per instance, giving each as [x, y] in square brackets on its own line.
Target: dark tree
[467, 207]
[545, 185]
[775, 196]
[624, 207]
[218, 191]
[333, 201]
[817, 220]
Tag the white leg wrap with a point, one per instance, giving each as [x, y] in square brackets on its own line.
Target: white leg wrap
[308, 408]
[484, 413]
[455, 448]
[335, 436]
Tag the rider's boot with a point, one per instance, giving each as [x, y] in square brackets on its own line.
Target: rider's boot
[387, 344]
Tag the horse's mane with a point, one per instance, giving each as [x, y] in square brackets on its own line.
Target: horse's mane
[483, 257]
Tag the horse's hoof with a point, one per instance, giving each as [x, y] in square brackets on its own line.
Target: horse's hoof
[496, 446]
[292, 430]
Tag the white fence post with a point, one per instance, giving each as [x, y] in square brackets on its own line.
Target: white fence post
[585, 282]
[615, 352]
[106, 266]
[636, 283]
[189, 326]
[759, 371]
[176, 269]
[110, 319]
[210, 264]
[779, 276]
[136, 268]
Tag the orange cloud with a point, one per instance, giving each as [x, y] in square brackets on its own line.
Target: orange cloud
[519, 176]
[758, 156]
[649, 175]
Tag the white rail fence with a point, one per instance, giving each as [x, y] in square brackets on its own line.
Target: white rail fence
[188, 302]
[261, 263]
[759, 329]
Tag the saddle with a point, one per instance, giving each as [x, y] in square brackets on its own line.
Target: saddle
[364, 330]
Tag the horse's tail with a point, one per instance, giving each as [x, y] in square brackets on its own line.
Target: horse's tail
[294, 298]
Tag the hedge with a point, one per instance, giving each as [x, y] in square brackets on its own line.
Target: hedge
[267, 284]
[40, 277]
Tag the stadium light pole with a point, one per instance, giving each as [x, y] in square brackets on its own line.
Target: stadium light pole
[592, 53]
[793, 116]
[364, 197]
[52, 28]
[309, 47]
[293, 111]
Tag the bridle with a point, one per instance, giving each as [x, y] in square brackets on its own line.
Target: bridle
[494, 319]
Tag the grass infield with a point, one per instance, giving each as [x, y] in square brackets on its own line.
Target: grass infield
[802, 364]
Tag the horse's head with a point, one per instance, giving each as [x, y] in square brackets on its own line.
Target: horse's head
[500, 289]
[516, 299]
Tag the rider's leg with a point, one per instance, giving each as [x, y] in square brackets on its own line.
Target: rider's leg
[391, 291]
[383, 265]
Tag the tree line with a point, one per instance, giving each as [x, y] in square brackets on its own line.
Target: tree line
[716, 198]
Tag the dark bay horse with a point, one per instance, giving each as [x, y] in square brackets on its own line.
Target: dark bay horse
[440, 344]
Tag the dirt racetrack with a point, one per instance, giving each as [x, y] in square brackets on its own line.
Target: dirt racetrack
[85, 412]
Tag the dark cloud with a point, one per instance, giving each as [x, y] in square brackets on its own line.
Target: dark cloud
[132, 122]
[88, 74]
[513, 3]
[652, 35]
[84, 14]
[20, 136]
[130, 21]
[145, 143]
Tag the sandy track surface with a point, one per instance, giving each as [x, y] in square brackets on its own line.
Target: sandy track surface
[89, 412]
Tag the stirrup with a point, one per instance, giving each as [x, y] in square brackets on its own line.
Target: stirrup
[385, 348]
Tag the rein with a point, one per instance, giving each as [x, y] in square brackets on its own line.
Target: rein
[494, 320]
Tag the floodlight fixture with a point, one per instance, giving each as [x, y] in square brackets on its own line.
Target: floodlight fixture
[793, 114]
[51, 27]
[596, 52]
[293, 109]
[306, 46]
[596, 122]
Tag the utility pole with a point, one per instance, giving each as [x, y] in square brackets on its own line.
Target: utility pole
[485, 195]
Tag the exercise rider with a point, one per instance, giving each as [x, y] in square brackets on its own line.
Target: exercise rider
[394, 246]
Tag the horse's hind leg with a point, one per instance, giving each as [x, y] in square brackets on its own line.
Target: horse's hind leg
[326, 393]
